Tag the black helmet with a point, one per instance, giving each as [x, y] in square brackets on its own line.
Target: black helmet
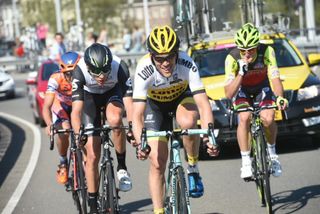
[98, 58]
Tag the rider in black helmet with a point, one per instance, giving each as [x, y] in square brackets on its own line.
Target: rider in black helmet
[101, 80]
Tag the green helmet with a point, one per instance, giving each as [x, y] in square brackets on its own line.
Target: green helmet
[247, 37]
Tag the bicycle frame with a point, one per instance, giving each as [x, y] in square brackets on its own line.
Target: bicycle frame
[76, 177]
[175, 167]
[261, 163]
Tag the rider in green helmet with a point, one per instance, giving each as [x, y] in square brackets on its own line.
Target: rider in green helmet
[249, 70]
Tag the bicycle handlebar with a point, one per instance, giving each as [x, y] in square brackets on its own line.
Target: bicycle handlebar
[177, 132]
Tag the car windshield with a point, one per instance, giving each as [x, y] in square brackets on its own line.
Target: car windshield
[285, 54]
[48, 69]
[211, 61]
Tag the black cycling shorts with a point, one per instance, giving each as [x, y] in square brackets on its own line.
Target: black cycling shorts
[93, 104]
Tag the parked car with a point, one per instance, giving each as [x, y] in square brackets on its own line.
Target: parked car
[302, 86]
[7, 84]
[37, 85]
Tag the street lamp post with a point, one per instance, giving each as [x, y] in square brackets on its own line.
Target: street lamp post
[58, 15]
[15, 19]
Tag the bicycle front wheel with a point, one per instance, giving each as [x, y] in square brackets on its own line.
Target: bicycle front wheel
[109, 194]
[82, 190]
[266, 173]
[257, 170]
[179, 199]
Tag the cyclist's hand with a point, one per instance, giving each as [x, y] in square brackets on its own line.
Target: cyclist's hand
[131, 139]
[143, 154]
[282, 103]
[243, 67]
[48, 130]
[211, 149]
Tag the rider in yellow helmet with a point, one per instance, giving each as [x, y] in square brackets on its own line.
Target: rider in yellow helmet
[167, 80]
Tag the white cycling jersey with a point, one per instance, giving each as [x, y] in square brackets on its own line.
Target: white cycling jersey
[148, 81]
[90, 84]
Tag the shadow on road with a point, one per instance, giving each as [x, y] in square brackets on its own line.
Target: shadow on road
[136, 206]
[293, 200]
[14, 148]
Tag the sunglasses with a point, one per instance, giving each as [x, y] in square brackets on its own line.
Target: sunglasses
[161, 58]
[97, 72]
[250, 51]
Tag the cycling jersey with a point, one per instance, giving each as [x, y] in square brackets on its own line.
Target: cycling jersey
[263, 68]
[61, 89]
[148, 82]
[85, 88]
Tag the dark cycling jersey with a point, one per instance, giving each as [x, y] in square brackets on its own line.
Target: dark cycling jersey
[118, 77]
[86, 88]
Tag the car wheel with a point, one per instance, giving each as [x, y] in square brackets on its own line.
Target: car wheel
[42, 122]
[36, 119]
[11, 94]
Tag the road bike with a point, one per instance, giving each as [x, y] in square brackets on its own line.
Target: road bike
[261, 161]
[108, 200]
[176, 194]
[76, 174]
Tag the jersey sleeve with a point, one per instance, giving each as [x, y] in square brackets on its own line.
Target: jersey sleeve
[140, 84]
[231, 68]
[78, 83]
[52, 85]
[271, 61]
[124, 80]
[195, 83]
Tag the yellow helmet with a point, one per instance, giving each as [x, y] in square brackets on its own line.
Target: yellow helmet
[163, 40]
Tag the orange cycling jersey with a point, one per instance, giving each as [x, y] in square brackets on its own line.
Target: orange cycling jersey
[263, 67]
[60, 88]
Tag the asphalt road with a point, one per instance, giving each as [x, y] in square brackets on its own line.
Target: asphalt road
[296, 191]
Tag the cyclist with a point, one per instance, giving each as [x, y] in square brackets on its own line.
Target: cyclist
[166, 80]
[57, 107]
[101, 79]
[248, 69]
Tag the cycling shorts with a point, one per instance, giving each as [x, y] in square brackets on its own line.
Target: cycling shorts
[157, 113]
[93, 104]
[246, 96]
[60, 112]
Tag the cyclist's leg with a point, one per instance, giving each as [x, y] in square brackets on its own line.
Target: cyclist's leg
[187, 115]
[156, 119]
[242, 100]
[267, 117]
[114, 113]
[92, 117]
[61, 120]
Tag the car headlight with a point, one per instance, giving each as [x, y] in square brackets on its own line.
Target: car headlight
[308, 92]
[213, 105]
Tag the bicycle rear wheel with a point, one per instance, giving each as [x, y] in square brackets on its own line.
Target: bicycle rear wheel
[179, 199]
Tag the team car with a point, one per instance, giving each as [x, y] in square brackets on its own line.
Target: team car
[301, 85]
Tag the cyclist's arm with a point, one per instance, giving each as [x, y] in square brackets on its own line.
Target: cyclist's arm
[126, 88]
[46, 111]
[273, 71]
[77, 99]
[139, 102]
[138, 119]
[232, 80]
[205, 111]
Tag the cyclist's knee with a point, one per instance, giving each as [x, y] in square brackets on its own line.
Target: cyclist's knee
[187, 122]
[267, 121]
[244, 118]
[158, 164]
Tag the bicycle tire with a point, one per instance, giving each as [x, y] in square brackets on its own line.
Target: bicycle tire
[257, 169]
[82, 190]
[266, 172]
[179, 204]
[112, 192]
[71, 183]
[108, 197]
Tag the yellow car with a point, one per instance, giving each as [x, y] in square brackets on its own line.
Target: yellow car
[302, 87]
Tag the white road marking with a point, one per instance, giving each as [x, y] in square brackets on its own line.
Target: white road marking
[13, 201]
